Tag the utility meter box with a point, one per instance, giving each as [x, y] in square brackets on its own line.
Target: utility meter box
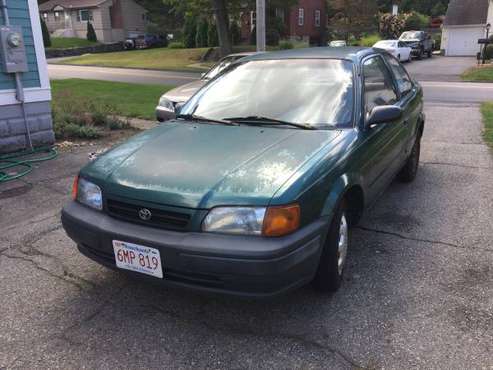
[12, 50]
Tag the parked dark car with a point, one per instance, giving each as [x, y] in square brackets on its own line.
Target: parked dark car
[165, 109]
[253, 189]
[420, 42]
[143, 41]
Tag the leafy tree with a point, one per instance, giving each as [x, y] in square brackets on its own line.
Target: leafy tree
[202, 33]
[91, 34]
[189, 31]
[235, 32]
[212, 38]
[46, 34]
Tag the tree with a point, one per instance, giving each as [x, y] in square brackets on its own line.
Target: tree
[91, 34]
[189, 31]
[222, 22]
[202, 34]
[212, 38]
[46, 34]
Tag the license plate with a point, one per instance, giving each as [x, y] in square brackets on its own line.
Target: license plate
[138, 258]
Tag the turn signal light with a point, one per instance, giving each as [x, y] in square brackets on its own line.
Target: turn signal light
[75, 187]
[280, 221]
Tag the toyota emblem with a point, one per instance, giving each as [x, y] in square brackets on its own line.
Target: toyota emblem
[145, 214]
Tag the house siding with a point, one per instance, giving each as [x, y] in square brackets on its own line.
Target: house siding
[133, 16]
[19, 16]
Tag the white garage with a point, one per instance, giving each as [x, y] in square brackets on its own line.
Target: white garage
[464, 24]
[462, 41]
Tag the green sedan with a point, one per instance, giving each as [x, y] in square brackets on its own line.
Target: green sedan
[253, 188]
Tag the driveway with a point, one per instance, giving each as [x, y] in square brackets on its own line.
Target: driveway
[445, 69]
[417, 294]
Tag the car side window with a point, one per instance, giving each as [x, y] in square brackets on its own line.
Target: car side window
[404, 83]
[378, 85]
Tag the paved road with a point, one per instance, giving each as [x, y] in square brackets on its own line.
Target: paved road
[417, 294]
[437, 76]
[58, 71]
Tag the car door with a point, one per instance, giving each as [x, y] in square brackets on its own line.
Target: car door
[404, 51]
[409, 100]
[383, 144]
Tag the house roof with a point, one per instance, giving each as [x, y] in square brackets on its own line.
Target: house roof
[467, 12]
[70, 4]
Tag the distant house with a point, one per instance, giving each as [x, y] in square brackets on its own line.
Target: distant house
[464, 24]
[25, 101]
[304, 21]
[112, 20]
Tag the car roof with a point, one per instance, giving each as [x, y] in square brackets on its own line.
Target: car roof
[351, 53]
[244, 54]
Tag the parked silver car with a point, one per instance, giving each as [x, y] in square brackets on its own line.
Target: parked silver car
[166, 107]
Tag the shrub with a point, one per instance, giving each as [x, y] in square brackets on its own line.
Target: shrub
[437, 41]
[286, 45]
[46, 34]
[212, 36]
[272, 37]
[189, 31]
[81, 118]
[489, 52]
[416, 21]
[202, 34]
[176, 45]
[369, 40]
[91, 34]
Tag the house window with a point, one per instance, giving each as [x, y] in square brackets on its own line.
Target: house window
[280, 14]
[253, 20]
[57, 16]
[301, 17]
[84, 15]
[317, 18]
[45, 15]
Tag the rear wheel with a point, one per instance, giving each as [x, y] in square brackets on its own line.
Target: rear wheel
[410, 169]
[334, 255]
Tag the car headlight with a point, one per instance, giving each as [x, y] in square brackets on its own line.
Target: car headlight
[87, 193]
[260, 221]
[166, 104]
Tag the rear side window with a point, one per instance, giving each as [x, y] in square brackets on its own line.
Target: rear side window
[402, 78]
[379, 88]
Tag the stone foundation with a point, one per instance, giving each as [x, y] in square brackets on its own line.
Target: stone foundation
[13, 128]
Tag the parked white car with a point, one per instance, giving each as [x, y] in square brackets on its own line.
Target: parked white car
[337, 44]
[397, 48]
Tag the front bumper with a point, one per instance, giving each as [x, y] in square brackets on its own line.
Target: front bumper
[238, 265]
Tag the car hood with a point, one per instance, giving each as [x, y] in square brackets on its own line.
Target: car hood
[183, 93]
[413, 41]
[202, 165]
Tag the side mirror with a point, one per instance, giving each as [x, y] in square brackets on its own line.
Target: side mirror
[166, 113]
[384, 114]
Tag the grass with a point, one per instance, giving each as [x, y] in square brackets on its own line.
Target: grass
[129, 100]
[479, 74]
[487, 111]
[159, 58]
[69, 42]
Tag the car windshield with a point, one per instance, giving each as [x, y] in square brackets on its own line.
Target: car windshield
[219, 67]
[314, 92]
[411, 36]
[383, 44]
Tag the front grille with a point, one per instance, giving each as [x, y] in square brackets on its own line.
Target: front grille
[160, 218]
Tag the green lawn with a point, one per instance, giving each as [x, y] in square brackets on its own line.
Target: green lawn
[481, 74]
[487, 110]
[160, 58]
[130, 100]
[69, 42]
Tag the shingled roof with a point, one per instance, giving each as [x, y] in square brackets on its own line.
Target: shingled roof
[70, 4]
[466, 12]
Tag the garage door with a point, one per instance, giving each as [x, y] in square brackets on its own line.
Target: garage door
[464, 41]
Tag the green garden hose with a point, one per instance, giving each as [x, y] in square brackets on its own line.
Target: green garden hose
[23, 161]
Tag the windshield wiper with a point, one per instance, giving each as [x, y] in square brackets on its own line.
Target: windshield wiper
[193, 117]
[259, 120]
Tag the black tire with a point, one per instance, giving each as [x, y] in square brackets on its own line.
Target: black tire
[421, 54]
[329, 276]
[410, 169]
[430, 53]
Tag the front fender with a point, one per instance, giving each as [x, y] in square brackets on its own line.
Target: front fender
[339, 188]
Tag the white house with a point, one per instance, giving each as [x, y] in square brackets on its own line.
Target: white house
[25, 109]
[464, 24]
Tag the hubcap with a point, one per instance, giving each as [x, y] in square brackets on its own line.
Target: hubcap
[343, 244]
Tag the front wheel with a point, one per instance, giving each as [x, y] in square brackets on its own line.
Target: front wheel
[410, 169]
[334, 255]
